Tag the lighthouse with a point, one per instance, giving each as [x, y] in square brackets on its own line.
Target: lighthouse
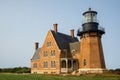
[91, 51]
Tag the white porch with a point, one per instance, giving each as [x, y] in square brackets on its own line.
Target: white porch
[68, 65]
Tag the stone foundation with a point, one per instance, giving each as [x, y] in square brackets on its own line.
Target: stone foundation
[45, 72]
[96, 70]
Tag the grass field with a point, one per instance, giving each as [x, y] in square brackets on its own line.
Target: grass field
[4, 76]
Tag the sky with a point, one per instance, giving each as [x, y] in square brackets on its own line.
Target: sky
[24, 22]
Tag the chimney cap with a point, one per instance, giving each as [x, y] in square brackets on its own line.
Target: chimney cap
[72, 30]
[55, 27]
[36, 45]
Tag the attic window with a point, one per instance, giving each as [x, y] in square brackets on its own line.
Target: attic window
[49, 44]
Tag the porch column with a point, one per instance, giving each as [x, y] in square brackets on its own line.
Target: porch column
[66, 65]
[72, 64]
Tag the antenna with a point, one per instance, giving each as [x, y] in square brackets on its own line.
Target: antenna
[90, 4]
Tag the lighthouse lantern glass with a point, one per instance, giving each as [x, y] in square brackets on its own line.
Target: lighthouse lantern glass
[90, 17]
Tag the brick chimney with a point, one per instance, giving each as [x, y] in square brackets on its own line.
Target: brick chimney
[72, 33]
[55, 27]
[36, 45]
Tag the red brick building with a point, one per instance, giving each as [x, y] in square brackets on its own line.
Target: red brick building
[62, 53]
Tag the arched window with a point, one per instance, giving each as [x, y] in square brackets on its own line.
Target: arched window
[63, 64]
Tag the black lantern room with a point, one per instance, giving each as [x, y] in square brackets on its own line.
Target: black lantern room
[90, 23]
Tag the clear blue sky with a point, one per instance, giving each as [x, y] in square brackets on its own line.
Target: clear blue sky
[23, 22]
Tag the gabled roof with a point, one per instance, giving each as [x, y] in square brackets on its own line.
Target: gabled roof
[36, 55]
[63, 40]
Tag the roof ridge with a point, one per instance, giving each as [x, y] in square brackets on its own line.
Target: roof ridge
[63, 34]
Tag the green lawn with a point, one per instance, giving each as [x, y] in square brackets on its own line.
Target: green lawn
[48, 77]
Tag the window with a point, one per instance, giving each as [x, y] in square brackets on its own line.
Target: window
[49, 44]
[45, 72]
[52, 52]
[45, 64]
[84, 63]
[53, 64]
[35, 65]
[53, 72]
[35, 72]
[45, 54]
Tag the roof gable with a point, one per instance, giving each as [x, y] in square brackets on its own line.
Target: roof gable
[50, 38]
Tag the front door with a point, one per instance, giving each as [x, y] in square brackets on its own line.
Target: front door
[75, 65]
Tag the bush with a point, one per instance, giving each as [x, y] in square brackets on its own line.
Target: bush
[15, 70]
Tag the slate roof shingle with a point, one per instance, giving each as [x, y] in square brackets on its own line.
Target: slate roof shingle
[63, 40]
[75, 46]
[36, 55]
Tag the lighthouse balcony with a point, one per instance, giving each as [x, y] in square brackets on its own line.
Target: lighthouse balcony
[99, 29]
